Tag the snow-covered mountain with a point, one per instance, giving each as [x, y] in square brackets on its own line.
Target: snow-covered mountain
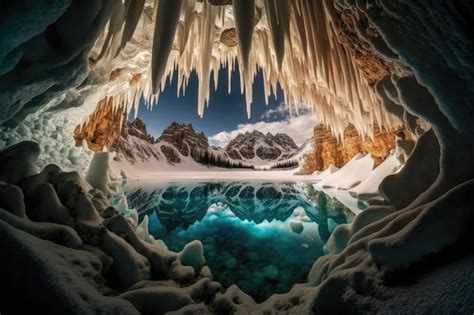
[181, 145]
[136, 147]
[185, 139]
[259, 148]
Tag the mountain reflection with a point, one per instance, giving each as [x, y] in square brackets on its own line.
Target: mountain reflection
[181, 205]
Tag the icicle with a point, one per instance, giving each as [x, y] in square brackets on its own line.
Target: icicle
[188, 13]
[277, 30]
[207, 40]
[294, 45]
[167, 18]
[244, 14]
[134, 12]
[115, 24]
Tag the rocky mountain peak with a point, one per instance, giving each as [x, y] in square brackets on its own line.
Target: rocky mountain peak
[185, 139]
[249, 145]
[138, 129]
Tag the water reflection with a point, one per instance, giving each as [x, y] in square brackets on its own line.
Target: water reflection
[262, 236]
[180, 205]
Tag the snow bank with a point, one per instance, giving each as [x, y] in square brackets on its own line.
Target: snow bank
[369, 187]
[351, 174]
[326, 173]
[52, 277]
[114, 254]
[100, 175]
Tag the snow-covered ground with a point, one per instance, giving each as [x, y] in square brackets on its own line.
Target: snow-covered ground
[220, 174]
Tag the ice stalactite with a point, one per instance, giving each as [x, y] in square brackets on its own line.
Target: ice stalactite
[207, 35]
[294, 44]
[166, 22]
[244, 14]
[279, 29]
[115, 25]
[134, 12]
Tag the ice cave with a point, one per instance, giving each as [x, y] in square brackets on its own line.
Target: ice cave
[236, 157]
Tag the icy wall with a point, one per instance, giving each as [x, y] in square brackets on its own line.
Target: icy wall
[44, 51]
[50, 130]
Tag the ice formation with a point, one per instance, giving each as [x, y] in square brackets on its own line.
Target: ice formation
[425, 226]
[293, 44]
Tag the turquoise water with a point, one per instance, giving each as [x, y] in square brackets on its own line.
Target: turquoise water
[251, 232]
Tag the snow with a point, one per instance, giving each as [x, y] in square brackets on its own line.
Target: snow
[369, 187]
[53, 134]
[215, 174]
[351, 174]
[51, 277]
[326, 173]
[157, 300]
[99, 174]
[193, 255]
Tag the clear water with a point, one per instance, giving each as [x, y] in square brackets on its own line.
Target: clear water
[245, 228]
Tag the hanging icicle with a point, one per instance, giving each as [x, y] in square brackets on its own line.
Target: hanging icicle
[293, 43]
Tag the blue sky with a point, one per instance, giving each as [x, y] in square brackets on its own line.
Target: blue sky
[226, 114]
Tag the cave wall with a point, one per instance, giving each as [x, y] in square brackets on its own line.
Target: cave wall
[44, 51]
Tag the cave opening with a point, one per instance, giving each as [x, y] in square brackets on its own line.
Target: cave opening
[383, 89]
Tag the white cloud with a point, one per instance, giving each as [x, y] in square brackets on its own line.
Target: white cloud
[299, 127]
[283, 111]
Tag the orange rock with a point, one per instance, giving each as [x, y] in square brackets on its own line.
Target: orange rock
[102, 128]
[327, 150]
[364, 56]
[229, 37]
[115, 74]
[135, 79]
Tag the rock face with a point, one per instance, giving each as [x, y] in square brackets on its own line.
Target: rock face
[254, 144]
[229, 37]
[327, 150]
[365, 58]
[171, 155]
[102, 128]
[177, 142]
[135, 144]
[185, 139]
[138, 129]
